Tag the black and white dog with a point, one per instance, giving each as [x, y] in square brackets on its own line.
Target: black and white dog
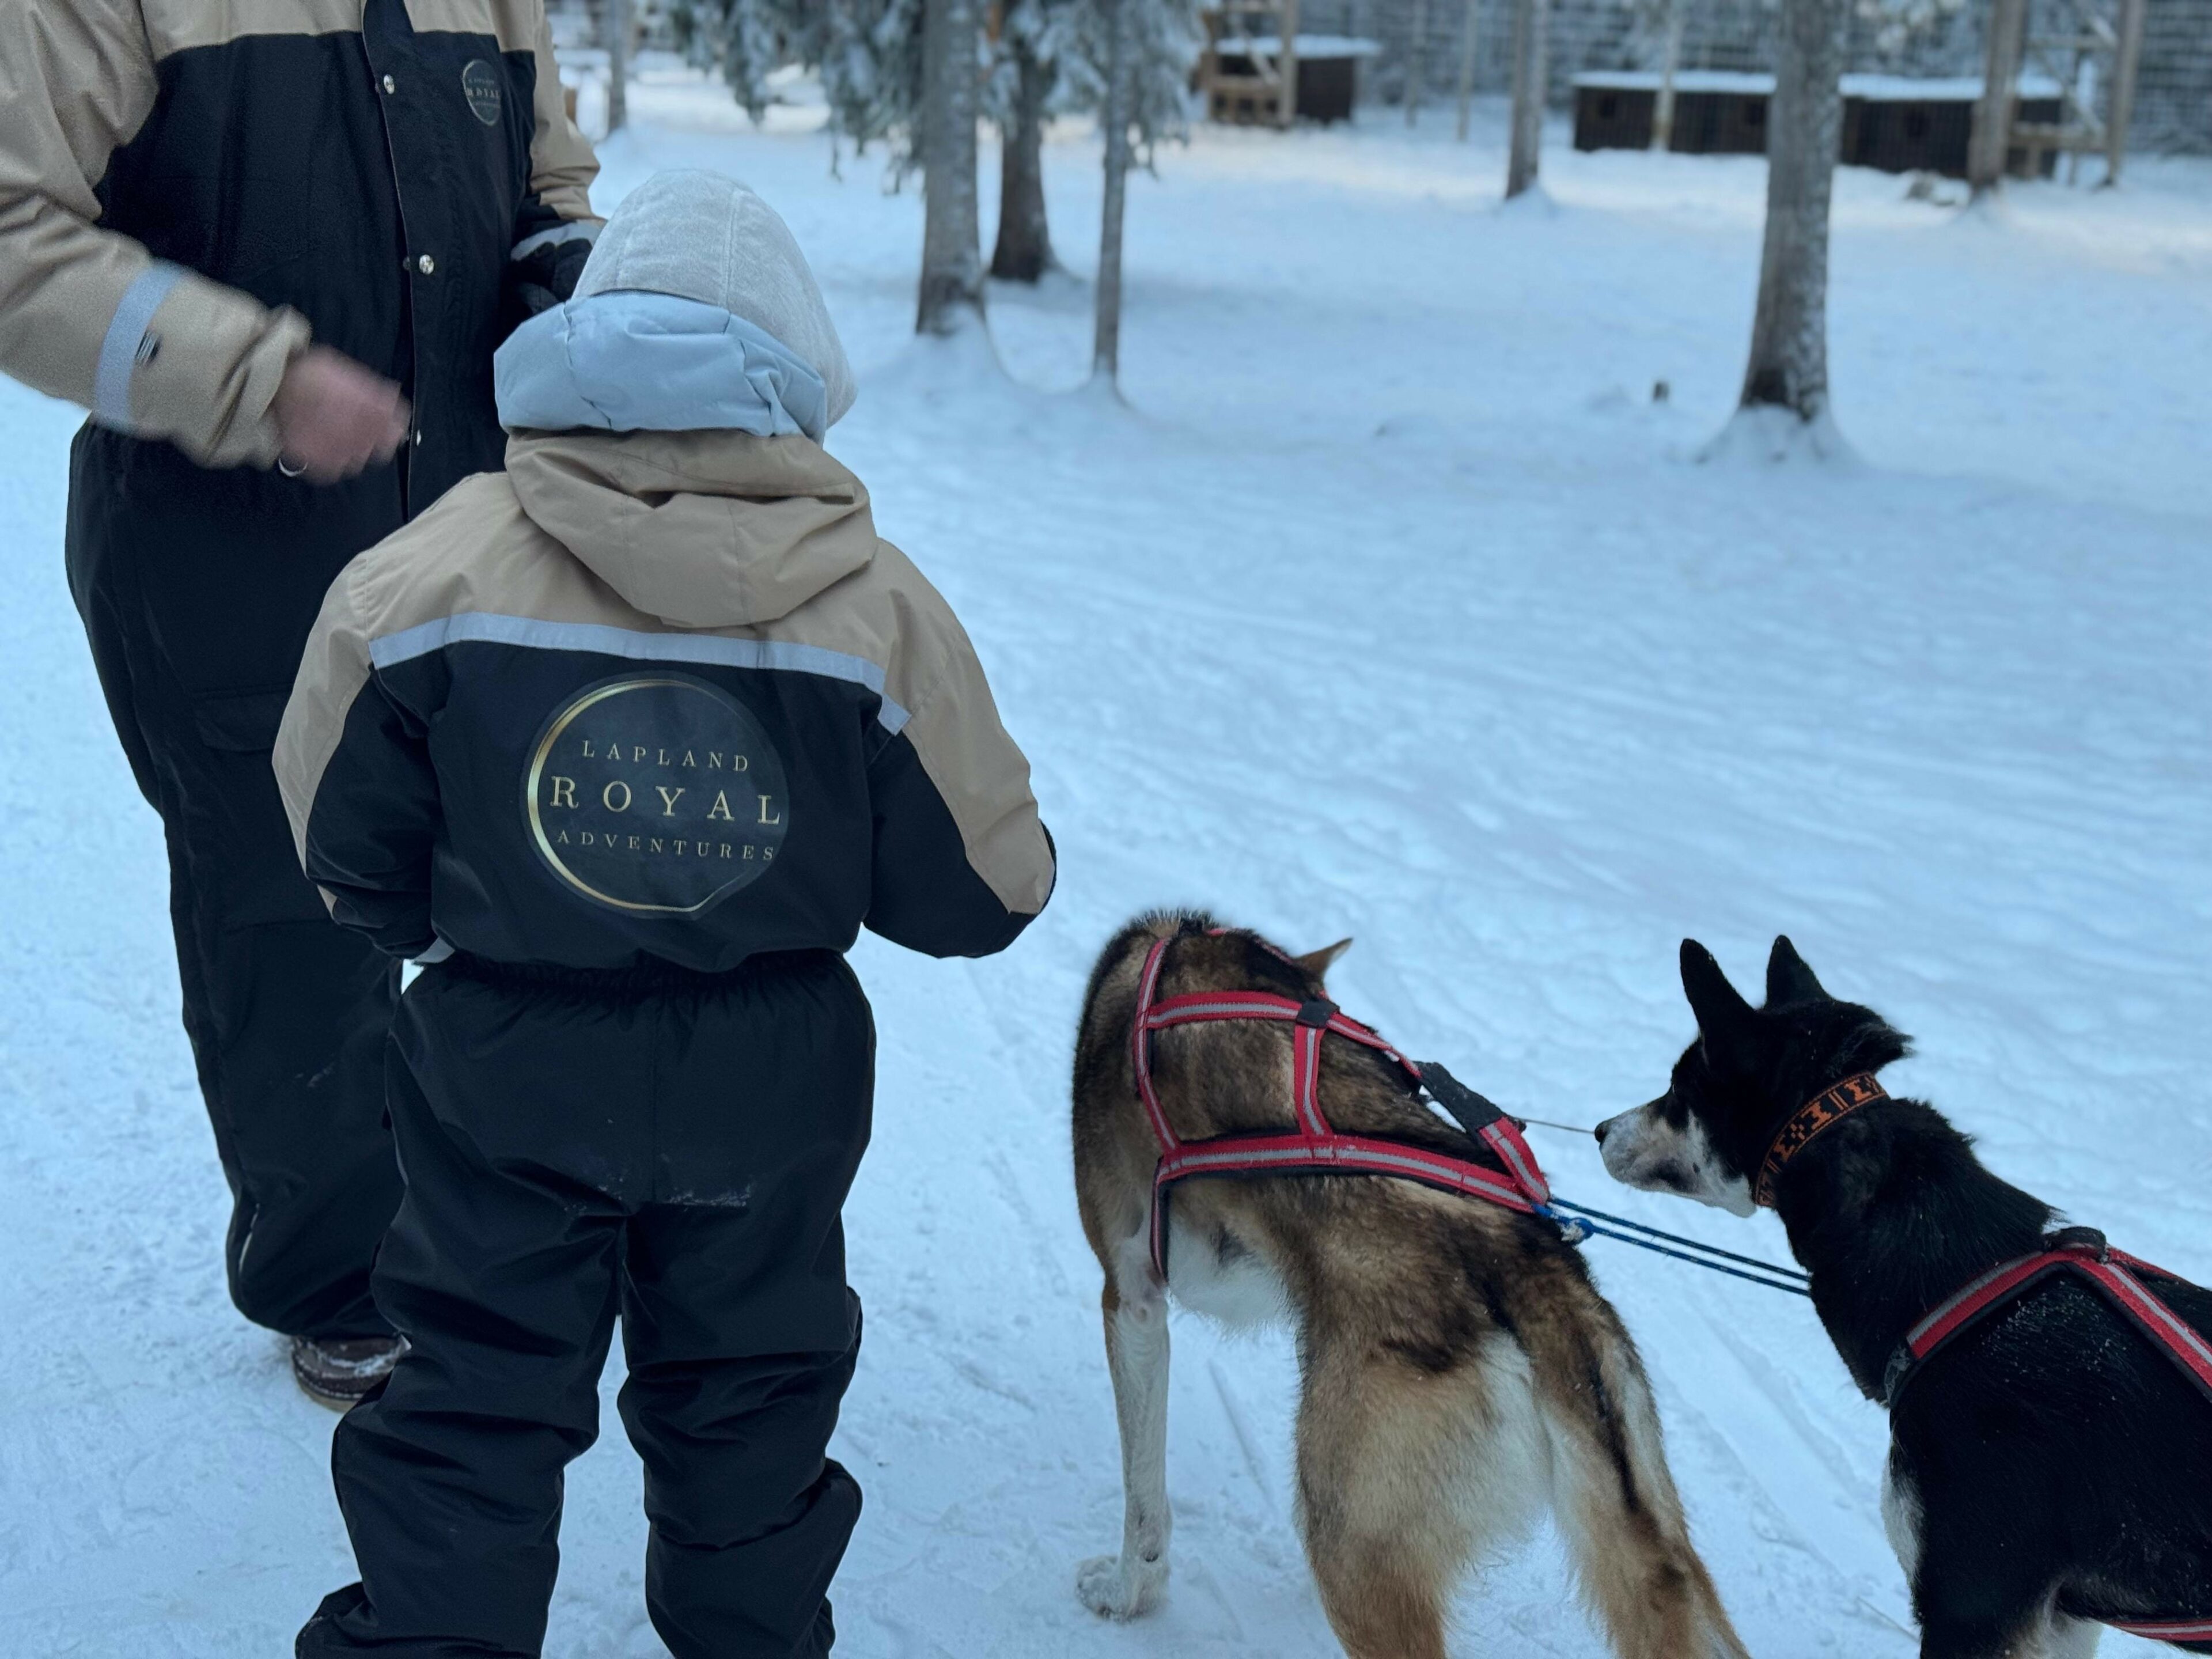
[2050, 1469]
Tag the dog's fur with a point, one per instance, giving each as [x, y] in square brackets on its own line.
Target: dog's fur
[2049, 1469]
[1459, 1369]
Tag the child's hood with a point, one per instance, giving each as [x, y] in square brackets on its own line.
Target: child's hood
[700, 528]
[667, 420]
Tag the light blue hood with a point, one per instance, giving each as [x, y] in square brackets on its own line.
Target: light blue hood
[628, 360]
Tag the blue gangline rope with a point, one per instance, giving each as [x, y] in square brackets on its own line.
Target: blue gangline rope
[1584, 1219]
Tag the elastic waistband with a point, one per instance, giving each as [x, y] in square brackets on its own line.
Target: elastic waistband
[652, 977]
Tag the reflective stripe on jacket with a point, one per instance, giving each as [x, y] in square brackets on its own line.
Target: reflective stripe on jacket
[655, 695]
[187, 189]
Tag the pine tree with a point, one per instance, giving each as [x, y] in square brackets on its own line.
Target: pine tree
[910, 74]
[868, 54]
[1161, 46]
[748, 40]
[1026, 88]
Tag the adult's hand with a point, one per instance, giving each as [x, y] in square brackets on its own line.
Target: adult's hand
[335, 417]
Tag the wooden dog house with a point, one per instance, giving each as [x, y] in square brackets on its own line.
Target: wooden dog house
[1257, 68]
[1893, 123]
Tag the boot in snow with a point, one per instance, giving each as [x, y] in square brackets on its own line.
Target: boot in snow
[337, 1372]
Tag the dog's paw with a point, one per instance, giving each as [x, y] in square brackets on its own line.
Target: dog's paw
[1101, 1586]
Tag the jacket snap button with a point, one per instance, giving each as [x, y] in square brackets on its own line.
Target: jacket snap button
[426, 265]
[391, 85]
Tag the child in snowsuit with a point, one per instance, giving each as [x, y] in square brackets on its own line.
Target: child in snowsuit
[627, 743]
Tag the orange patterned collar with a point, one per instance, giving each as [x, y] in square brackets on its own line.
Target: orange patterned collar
[1831, 1106]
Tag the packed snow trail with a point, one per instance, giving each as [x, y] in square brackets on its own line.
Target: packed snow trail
[1395, 612]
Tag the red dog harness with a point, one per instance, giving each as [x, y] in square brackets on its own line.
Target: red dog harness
[2078, 1250]
[1313, 1147]
[2081, 1251]
[2195, 1634]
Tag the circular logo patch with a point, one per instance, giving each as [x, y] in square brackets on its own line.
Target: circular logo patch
[480, 86]
[658, 795]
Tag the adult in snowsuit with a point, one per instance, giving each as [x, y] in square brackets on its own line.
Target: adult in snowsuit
[272, 249]
[629, 742]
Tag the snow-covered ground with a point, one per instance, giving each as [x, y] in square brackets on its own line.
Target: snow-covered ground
[1394, 607]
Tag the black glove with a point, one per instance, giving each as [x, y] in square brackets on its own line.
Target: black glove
[541, 279]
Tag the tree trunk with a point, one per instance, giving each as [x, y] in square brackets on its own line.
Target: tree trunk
[1106, 350]
[1417, 60]
[1468, 26]
[1024, 250]
[1804, 128]
[951, 246]
[2120, 103]
[1286, 96]
[617, 27]
[1530, 21]
[1991, 142]
[1663, 107]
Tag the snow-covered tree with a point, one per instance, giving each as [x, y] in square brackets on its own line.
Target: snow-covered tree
[1106, 339]
[1788, 368]
[885, 79]
[1990, 145]
[868, 54]
[613, 25]
[1162, 45]
[1141, 52]
[748, 40]
[1785, 385]
[906, 73]
[1026, 88]
[1531, 27]
[1670, 22]
[1470, 38]
[1898, 23]
[951, 246]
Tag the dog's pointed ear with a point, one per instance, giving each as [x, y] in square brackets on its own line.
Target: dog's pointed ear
[1719, 1008]
[1318, 962]
[1788, 979]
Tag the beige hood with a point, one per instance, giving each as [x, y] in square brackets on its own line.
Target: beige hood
[700, 528]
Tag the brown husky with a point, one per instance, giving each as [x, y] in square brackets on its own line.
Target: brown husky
[1459, 1369]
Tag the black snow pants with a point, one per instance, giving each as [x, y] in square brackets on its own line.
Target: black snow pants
[197, 590]
[665, 1148]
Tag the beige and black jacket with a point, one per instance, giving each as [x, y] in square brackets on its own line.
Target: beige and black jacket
[187, 187]
[655, 696]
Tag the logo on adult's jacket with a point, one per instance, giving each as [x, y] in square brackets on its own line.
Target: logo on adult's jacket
[480, 86]
[658, 795]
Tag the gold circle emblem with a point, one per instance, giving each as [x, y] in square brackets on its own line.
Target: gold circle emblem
[660, 795]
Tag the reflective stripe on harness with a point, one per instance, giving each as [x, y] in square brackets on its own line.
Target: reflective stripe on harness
[1313, 1147]
[2079, 1250]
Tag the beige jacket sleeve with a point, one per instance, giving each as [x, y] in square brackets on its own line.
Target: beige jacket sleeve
[561, 164]
[87, 315]
[963, 863]
[983, 780]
